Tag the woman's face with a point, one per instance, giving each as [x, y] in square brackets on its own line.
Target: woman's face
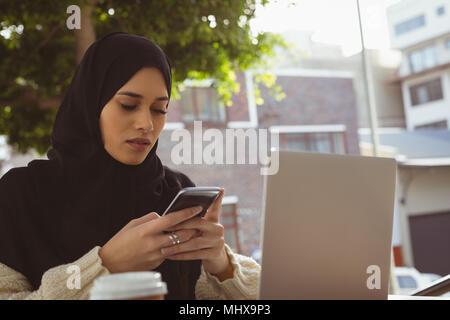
[137, 110]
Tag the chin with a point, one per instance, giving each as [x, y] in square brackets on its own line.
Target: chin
[131, 161]
[135, 162]
[126, 157]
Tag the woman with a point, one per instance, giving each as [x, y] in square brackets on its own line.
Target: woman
[94, 203]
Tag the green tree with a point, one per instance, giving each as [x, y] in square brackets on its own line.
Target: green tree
[203, 39]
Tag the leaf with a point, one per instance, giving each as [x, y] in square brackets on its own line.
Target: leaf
[44, 62]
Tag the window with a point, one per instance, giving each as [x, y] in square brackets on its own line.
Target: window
[409, 25]
[422, 59]
[426, 92]
[407, 282]
[201, 103]
[327, 142]
[440, 11]
[433, 125]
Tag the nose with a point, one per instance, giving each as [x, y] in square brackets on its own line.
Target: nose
[144, 121]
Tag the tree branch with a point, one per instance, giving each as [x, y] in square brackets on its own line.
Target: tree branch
[86, 35]
[119, 19]
[48, 38]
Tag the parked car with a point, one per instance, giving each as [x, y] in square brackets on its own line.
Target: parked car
[410, 279]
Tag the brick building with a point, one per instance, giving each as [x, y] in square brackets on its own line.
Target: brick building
[317, 114]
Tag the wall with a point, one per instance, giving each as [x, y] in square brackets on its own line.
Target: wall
[423, 191]
[434, 25]
[432, 111]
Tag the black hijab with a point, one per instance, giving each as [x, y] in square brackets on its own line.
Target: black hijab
[54, 211]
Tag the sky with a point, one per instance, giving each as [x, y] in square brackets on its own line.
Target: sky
[332, 21]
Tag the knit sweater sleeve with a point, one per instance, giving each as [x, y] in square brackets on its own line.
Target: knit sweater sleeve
[243, 286]
[60, 282]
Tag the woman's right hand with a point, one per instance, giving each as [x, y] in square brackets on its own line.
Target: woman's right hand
[137, 246]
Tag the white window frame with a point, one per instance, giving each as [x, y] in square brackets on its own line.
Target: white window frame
[331, 128]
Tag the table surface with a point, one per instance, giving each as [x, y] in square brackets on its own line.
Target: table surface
[401, 297]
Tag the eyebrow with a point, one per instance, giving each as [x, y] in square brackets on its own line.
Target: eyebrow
[137, 95]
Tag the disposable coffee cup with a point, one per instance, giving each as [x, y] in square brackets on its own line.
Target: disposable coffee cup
[129, 286]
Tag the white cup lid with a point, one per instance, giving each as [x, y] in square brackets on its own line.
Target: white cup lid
[128, 285]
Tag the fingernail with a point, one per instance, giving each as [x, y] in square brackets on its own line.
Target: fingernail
[197, 209]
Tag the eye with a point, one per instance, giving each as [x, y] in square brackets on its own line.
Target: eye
[159, 111]
[126, 107]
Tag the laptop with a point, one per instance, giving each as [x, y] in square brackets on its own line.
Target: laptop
[327, 227]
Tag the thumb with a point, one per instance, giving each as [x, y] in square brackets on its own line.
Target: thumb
[215, 209]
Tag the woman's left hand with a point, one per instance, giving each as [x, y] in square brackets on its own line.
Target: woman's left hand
[208, 246]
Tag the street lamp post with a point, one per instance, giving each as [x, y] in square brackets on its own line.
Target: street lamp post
[371, 105]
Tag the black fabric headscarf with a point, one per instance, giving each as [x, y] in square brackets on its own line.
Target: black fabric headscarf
[54, 211]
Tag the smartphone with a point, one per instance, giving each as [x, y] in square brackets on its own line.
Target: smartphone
[192, 197]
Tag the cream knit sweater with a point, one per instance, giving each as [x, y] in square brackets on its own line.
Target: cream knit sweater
[54, 284]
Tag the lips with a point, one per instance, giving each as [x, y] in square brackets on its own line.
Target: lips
[139, 144]
[139, 141]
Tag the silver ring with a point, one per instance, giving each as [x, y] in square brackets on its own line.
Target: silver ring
[175, 236]
[172, 238]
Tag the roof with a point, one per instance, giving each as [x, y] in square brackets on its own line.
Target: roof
[424, 147]
[419, 74]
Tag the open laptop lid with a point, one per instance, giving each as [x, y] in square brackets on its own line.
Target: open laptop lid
[327, 227]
